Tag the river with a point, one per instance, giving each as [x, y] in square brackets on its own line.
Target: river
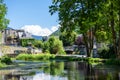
[59, 70]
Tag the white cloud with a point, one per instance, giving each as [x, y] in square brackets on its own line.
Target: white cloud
[54, 28]
[38, 30]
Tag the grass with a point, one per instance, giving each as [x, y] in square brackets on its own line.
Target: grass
[41, 56]
[95, 60]
[2, 65]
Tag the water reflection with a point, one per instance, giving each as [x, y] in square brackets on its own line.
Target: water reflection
[61, 71]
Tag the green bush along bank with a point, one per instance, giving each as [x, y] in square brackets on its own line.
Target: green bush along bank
[45, 56]
[4, 61]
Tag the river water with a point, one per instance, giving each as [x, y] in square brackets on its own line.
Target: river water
[59, 70]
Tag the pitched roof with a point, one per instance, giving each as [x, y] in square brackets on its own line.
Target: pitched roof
[9, 28]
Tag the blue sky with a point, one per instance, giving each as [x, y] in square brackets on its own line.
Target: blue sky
[26, 13]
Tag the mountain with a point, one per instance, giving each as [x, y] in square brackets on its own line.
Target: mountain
[37, 37]
[56, 33]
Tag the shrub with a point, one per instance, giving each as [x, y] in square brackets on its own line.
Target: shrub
[92, 60]
[6, 60]
[41, 56]
[2, 65]
[25, 57]
[25, 42]
[45, 47]
[55, 46]
[107, 53]
[38, 44]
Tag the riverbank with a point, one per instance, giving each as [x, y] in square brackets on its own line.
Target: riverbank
[48, 57]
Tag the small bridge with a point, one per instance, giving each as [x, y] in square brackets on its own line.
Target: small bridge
[71, 55]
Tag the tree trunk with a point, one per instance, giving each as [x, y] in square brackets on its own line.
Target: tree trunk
[113, 29]
[87, 45]
[118, 48]
[91, 38]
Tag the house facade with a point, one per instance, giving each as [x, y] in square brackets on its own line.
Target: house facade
[12, 36]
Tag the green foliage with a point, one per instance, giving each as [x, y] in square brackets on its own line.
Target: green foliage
[101, 36]
[56, 68]
[38, 44]
[107, 52]
[94, 60]
[26, 42]
[45, 56]
[3, 10]
[110, 77]
[23, 56]
[2, 65]
[55, 46]
[45, 47]
[6, 60]
[77, 15]
[68, 38]
[102, 18]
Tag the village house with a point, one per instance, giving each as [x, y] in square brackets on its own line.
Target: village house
[12, 36]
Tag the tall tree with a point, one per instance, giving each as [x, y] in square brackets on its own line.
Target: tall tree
[3, 11]
[118, 22]
[91, 17]
[110, 13]
[79, 14]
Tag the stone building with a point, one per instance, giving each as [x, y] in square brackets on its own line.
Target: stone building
[12, 36]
